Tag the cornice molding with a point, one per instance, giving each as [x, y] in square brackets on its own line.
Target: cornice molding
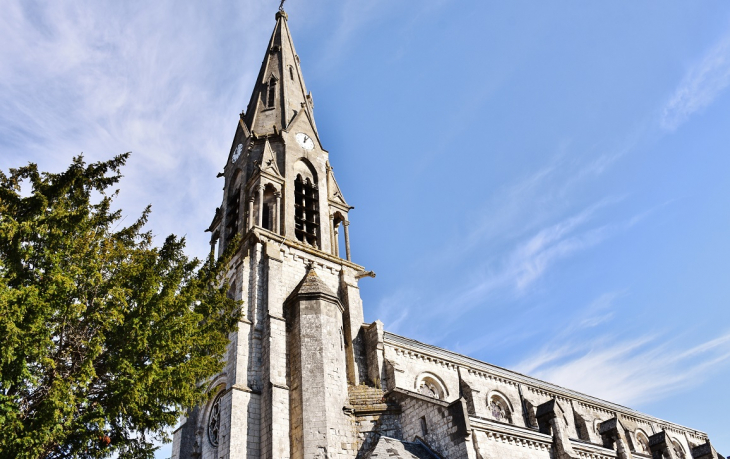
[457, 360]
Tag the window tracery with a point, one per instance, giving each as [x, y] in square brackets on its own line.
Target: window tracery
[678, 450]
[499, 408]
[214, 421]
[430, 387]
[643, 442]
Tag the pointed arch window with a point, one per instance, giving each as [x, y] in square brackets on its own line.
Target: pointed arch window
[271, 98]
[306, 212]
[291, 73]
[233, 204]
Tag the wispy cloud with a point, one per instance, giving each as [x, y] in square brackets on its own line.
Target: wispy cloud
[585, 356]
[107, 77]
[702, 84]
[627, 371]
[531, 257]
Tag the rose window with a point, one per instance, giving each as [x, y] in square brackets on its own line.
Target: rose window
[214, 421]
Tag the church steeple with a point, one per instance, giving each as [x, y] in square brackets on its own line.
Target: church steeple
[280, 93]
[278, 177]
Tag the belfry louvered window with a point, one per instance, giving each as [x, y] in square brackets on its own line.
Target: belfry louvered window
[233, 204]
[271, 99]
[306, 212]
[232, 207]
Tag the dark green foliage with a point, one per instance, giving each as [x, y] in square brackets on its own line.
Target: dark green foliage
[104, 338]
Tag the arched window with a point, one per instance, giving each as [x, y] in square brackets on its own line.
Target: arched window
[337, 220]
[306, 210]
[271, 99]
[499, 407]
[233, 203]
[678, 450]
[291, 72]
[214, 421]
[268, 208]
[643, 442]
[429, 385]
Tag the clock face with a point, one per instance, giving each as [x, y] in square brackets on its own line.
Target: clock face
[237, 153]
[305, 141]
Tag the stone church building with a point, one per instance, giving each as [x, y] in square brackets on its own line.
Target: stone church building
[305, 377]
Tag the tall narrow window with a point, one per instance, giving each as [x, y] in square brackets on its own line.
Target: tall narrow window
[266, 217]
[291, 73]
[272, 92]
[268, 209]
[233, 203]
[306, 212]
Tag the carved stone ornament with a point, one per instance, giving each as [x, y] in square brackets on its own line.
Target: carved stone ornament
[429, 390]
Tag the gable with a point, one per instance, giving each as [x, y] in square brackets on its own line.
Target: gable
[301, 122]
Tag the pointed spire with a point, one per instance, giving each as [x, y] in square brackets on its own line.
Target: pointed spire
[279, 93]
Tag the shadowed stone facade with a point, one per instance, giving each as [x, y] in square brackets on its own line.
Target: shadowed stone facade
[306, 378]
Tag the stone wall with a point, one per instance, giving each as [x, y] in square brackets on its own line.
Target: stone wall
[443, 426]
[479, 383]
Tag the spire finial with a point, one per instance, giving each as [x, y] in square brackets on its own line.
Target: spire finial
[281, 6]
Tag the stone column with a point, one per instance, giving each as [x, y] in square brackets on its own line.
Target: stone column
[337, 241]
[347, 239]
[260, 192]
[250, 212]
[277, 213]
[332, 234]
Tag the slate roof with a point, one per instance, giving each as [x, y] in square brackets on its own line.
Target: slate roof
[398, 449]
[312, 283]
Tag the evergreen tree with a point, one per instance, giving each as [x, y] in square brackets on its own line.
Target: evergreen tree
[104, 338]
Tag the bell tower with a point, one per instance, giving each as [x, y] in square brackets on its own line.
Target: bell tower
[284, 388]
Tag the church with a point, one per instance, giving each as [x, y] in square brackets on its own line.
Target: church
[305, 377]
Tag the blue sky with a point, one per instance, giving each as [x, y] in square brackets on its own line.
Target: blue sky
[540, 185]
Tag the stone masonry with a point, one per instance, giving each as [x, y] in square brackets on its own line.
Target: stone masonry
[305, 377]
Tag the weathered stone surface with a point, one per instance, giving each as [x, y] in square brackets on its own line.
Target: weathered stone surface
[705, 451]
[304, 377]
[614, 436]
[398, 449]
